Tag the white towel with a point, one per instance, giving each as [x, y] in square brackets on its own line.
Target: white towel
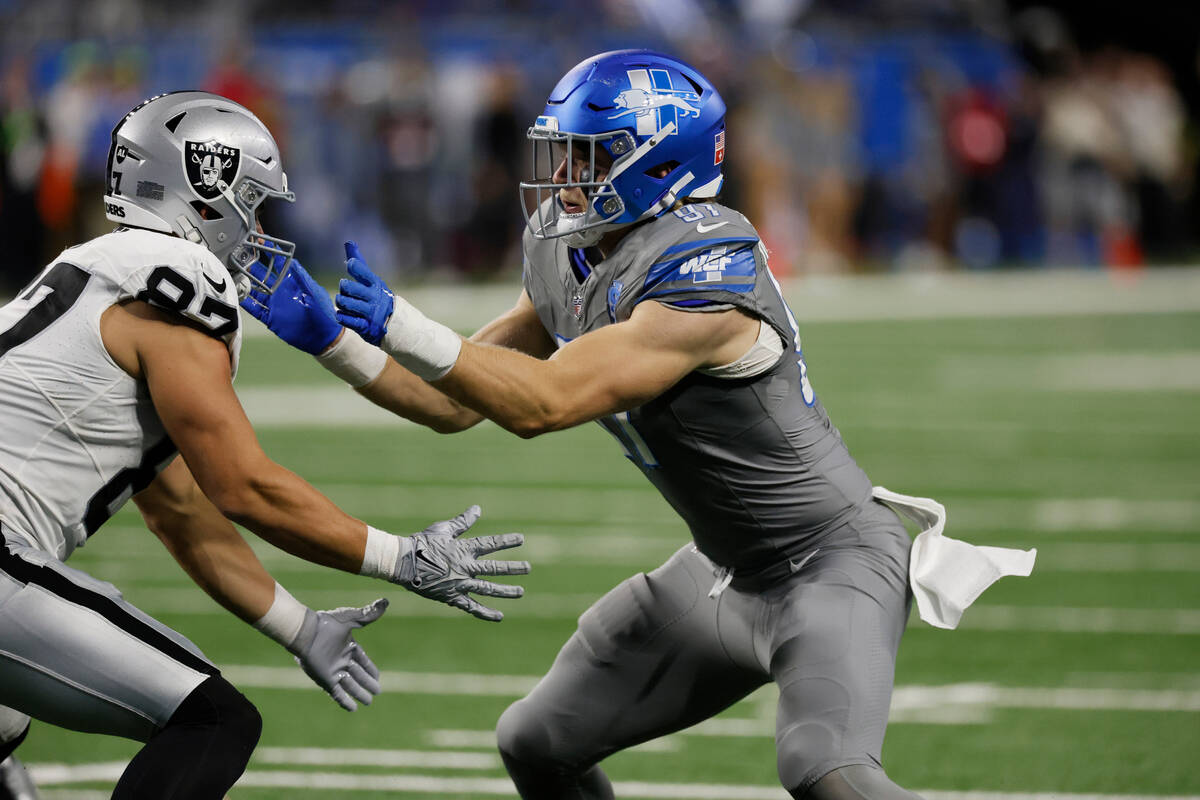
[947, 575]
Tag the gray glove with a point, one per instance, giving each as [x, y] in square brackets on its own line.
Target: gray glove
[439, 565]
[326, 651]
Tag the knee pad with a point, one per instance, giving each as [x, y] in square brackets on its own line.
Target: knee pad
[520, 736]
[856, 782]
[216, 704]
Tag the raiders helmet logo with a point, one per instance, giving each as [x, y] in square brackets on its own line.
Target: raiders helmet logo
[211, 167]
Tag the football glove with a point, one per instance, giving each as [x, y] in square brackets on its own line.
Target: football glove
[298, 311]
[365, 304]
[439, 565]
[325, 649]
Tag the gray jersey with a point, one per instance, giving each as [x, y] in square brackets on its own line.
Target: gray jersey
[753, 465]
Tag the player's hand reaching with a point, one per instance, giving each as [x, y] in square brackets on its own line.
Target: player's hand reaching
[298, 310]
[367, 306]
[442, 566]
[364, 304]
[326, 650]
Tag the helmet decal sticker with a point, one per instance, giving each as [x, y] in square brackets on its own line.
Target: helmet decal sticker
[654, 101]
[211, 167]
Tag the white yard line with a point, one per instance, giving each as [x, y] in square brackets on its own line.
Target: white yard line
[486, 740]
[357, 757]
[426, 683]
[58, 774]
[330, 405]
[1174, 622]
[1077, 371]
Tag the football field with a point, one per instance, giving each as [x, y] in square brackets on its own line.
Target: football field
[1057, 414]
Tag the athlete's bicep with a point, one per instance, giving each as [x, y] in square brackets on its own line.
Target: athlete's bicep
[188, 374]
[621, 366]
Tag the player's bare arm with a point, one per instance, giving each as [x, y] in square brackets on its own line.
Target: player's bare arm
[219, 560]
[403, 393]
[608, 370]
[205, 543]
[217, 442]
[300, 312]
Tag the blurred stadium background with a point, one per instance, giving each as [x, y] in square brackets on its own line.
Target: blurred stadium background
[984, 215]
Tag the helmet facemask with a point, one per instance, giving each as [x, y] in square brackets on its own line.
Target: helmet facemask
[257, 246]
[660, 122]
[608, 153]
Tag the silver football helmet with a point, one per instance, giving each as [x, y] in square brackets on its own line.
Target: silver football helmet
[198, 165]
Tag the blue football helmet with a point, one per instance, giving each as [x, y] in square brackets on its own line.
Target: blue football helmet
[655, 122]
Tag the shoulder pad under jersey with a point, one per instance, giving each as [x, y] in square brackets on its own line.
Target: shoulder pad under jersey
[696, 256]
[169, 273]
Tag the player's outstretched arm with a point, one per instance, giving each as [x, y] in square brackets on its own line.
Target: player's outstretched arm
[301, 313]
[605, 371]
[188, 375]
[406, 395]
[218, 559]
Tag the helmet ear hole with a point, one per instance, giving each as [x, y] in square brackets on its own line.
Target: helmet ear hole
[662, 170]
[206, 211]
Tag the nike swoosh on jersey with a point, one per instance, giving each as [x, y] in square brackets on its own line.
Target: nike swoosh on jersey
[797, 567]
[702, 228]
[220, 287]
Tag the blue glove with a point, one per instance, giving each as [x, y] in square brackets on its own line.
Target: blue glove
[298, 311]
[364, 304]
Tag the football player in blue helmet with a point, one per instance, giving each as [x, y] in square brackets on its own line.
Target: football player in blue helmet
[649, 308]
[643, 129]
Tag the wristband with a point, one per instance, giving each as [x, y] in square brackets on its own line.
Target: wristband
[353, 360]
[284, 618]
[381, 554]
[425, 348]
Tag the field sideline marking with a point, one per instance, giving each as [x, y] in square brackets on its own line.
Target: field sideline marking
[360, 757]
[51, 774]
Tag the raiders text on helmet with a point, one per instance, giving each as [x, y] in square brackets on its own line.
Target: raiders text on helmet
[198, 165]
[659, 122]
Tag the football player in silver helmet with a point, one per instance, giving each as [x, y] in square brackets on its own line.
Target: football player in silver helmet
[116, 369]
[230, 167]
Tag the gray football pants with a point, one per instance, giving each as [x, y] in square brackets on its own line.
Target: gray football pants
[656, 655]
[73, 653]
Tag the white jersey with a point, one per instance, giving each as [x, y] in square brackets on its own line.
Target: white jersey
[78, 435]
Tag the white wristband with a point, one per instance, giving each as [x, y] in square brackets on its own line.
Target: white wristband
[353, 360]
[284, 618]
[425, 348]
[382, 554]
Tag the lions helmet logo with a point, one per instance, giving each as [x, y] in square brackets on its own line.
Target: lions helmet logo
[654, 101]
[211, 167]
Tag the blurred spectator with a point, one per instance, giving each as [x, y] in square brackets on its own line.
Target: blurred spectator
[23, 137]
[867, 134]
[493, 229]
